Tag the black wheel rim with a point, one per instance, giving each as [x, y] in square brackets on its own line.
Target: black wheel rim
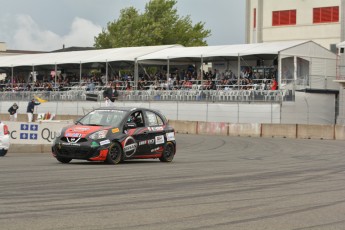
[114, 152]
[169, 151]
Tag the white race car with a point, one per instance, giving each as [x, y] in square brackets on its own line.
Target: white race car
[4, 139]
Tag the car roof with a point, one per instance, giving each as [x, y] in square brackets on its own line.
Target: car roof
[127, 109]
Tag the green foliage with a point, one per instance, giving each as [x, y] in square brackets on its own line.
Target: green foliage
[158, 25]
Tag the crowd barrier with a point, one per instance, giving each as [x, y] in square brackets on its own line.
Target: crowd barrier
[39, 136]
[221, 95]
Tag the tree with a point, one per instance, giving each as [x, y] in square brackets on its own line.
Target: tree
[158, 25]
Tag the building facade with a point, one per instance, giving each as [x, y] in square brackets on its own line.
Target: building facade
[316, 20]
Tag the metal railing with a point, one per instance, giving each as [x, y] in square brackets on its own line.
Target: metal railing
[155, 95]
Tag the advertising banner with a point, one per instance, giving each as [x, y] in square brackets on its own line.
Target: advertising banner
[40, 133]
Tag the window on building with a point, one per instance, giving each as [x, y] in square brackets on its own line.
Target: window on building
[284, 17]
[326, 14]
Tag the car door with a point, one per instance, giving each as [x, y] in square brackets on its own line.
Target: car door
[137, 141]
[156, 132]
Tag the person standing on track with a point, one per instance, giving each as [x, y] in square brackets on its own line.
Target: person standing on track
[13, 112]
[110, 95]
[30, 109]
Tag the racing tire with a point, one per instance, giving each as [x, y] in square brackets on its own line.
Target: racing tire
[64, 160]
[115, 154]
[3, 152]
[169, 153]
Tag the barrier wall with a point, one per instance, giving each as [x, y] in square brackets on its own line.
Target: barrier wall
[245, 130]
[339, 132]
[39, 136]
[316, 132]
[213, 128]
[185, 127]
[278, 130]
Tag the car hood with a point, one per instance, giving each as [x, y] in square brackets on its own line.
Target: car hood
[82, 130]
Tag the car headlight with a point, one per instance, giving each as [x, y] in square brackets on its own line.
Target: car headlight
[99, 135]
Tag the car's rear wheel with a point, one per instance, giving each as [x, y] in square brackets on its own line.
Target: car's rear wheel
[3, 152]
[115, 154]
[64, 160]
[169, 153]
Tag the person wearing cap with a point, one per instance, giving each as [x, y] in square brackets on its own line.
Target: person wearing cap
[30, 109]
[110, 95]
[13, 112]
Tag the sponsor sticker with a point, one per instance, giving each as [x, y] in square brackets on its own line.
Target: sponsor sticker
[159, 139]
[71, 143]
[159, 128]
[115, 130]
[94, 144]
[104, 142]
[129, 146]
[154, 150]
[72, 135]
[80, 129]
[170, 136]
[151, 141]
[142, 142]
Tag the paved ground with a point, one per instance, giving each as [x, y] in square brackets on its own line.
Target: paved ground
[213, 183]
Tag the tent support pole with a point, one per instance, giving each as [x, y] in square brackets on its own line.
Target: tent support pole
[33, 73]
[168, 68]
[238, 70]
[55, 76]
[80, 74]
[106, 72]
[201, 70]
[136, 73]
[294, 69]
[279, 71]
[12, 76]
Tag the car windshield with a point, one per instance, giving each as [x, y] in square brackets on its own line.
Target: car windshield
[103, 118]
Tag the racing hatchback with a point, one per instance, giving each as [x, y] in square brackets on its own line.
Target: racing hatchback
[113, 134]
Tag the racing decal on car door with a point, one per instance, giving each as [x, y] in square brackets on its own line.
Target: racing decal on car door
[159, 140]
[156, 129]
[131, 132]
[129, 146]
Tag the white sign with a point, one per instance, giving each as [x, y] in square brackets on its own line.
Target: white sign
[34, 133]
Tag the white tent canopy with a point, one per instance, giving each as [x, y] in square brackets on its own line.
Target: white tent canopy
[89, 56]
[222, 51]
[143, 53]
[322, 61]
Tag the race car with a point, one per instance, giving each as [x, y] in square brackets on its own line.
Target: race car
[4, 139]
[113, 135]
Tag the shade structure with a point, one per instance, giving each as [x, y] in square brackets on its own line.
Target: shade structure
[167, 52]
[76, 57]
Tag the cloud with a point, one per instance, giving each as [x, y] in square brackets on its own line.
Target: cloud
[82, 33]
[29, 36]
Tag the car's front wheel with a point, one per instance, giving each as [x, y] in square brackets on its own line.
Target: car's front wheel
[64, 160]
[169, 153]
[115, 154]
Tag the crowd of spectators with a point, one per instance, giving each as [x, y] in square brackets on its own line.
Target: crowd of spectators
[177, 80]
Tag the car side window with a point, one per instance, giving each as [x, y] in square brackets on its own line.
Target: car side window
[137, 118]
[159, 120]
[153, 119]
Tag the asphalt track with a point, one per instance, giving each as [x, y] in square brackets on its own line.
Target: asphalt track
[213, 183]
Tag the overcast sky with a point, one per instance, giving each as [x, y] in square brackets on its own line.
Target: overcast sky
[45, 25]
